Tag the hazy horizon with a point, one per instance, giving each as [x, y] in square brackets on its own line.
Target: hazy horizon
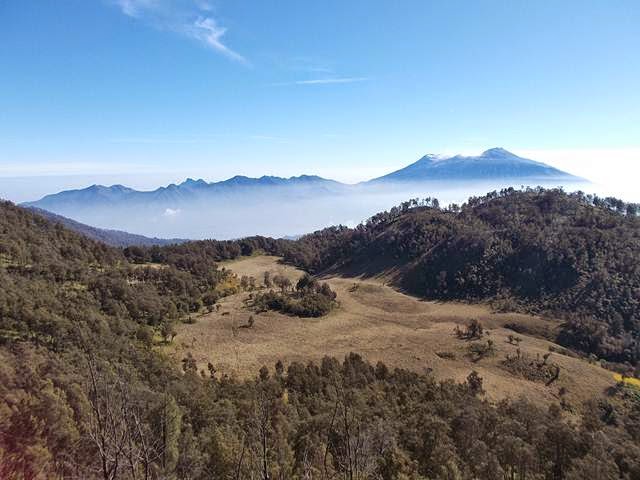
[613, 180]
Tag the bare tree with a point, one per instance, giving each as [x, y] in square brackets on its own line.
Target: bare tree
[353, 445]
[124, 442]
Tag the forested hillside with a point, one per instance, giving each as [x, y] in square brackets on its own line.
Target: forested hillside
[542, 251]
[77, 322]
[85, 393]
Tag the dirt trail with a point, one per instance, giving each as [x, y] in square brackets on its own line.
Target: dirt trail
[382, 324]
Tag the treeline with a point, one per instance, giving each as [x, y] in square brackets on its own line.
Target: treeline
[349, 420]
[354, 420]
[200, 254]
[575, 256]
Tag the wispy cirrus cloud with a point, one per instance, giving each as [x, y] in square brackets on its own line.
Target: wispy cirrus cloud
[190, 18]
[323, 81]
[207, 31]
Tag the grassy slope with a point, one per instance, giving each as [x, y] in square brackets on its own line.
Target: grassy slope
[382, 324]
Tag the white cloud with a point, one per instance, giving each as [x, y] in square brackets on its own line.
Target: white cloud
[204, 5]
[190, 18]
[206, 30]
[171, 212]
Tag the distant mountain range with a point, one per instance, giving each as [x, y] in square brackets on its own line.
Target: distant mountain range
[275, 206]
[496, 164]
[185, 192]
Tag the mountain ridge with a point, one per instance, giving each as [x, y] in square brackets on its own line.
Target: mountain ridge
[101, 194]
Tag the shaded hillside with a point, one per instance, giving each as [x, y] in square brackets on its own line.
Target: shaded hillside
[536, 250]
[115, 238]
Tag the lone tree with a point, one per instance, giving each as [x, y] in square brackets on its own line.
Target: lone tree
[474, 383]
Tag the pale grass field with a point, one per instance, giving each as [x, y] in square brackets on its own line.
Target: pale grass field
[380, 323]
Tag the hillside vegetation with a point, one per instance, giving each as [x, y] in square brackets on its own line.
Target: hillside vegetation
[541, 251]
[85, 391]
[77, 323]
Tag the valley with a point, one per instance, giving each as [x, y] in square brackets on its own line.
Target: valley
[385, 325]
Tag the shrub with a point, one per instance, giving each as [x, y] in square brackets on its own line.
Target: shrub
[473, 330]
[446, 355]
[480, 350]
[145, 335]
[535, 370]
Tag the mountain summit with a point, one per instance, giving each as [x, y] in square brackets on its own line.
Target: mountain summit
[492, 164]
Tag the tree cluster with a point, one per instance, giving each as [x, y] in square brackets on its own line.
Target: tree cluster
[310, 298]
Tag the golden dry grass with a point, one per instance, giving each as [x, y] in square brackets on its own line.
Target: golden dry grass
[381, 324]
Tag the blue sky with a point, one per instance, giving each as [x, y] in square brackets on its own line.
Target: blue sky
[151, 91]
